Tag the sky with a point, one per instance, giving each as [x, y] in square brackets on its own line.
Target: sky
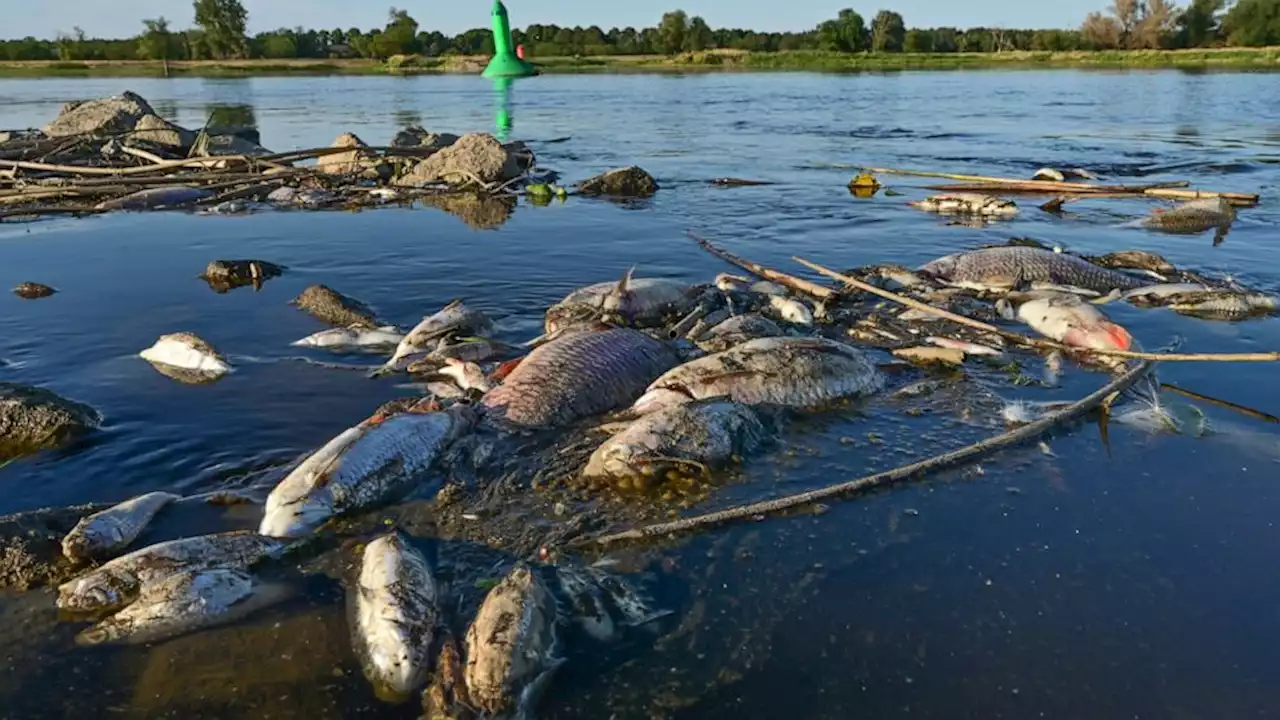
[123, 18]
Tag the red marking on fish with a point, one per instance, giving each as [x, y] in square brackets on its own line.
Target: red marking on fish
[503, 370]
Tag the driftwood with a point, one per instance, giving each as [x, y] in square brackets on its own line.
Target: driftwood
[790, 281]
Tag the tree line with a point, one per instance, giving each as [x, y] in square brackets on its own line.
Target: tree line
[220, 33]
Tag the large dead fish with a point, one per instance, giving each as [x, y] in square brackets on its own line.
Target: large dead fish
[155, 199]
[184, 602]
[1069, 319]
[641, 302]
[454, 318]
[1222, 304]
[784, 371]
[513, 646]
[360, 468]
[103, 534]
[118, 582]
[1193, 217]
[967, 204]
[1014, 267]
[396, 616]
[737, 330]
[691, 438]
[579, 375]
[388, 336]
[186, 351]
[1135, 260]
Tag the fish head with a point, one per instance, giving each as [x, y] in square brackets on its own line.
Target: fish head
[97, 592]
[297, 518]
[84, 542]
[658, 398]
[943, 267]
[468, 375]
[1102, 335]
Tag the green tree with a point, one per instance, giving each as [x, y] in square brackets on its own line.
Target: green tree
[399, 37]
[918, 41]
[888, 32]
[671, 32]
[1253, 23]
[279, 44]
[698, 37]
[156, 42]
[1198, 24]
[847, 33]
[223, 22]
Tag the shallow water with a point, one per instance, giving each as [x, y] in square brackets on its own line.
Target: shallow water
[1132, 578]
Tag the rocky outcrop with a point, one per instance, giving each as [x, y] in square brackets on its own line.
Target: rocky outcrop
[415, 136]
[335, 308]
[342, 163]
[32, 419]
[628, 182]
[33, 291]
[225, 275]
[477, 157]
[31, 546]
[158, 131]
[107, 116]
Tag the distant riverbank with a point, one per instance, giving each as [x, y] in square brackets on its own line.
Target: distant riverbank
[712, 60]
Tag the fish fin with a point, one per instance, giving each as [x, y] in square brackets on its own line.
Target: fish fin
[624, 285]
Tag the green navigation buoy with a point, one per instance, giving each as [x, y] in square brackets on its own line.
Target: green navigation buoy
[505, 63]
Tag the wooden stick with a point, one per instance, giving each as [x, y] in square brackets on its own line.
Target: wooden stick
[1037, 342]
[1258, 414]
[77, 170]
[791, 281]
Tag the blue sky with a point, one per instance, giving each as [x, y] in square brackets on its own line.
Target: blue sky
[119, 18]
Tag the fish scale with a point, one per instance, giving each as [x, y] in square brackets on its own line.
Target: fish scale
[578, 376]
[1005, 266]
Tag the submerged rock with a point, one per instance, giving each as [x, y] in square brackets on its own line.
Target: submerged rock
[33, 419]
[477, 157]
[624, 182]
[30, 546]
[156, 130]
[105, 116]
[224, 275]
[415, 136]
[335, 308]
[33, 291]
[342, 163]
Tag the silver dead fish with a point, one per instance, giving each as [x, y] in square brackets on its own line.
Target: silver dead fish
[579, 375]
[967, 204]
[103, 534]
[455, 318]
[737, 330]
[360, 468]
[1193, 217]
[119, 581]
[1013, 267]
[789, 372]
[387, 336]
[396, 616]
[186, 351]
[1069, 319]
[692, 438]
[791, 310]
[513, 646]
[642, 302]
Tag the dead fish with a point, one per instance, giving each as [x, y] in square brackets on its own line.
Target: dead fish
[1160, 294]
[732, 283]
[766, 287]
[119, 581]
[893, 274]
[784, 371]
[186, 351]
[334, 308]
[156, 198]
[103, 534]
[1193, 217]
[690, 438]
[513, 646]
[467, 375]
[1013, 267]
[1135, 260]
[791, 310]
[308, 197]
[1223, 304]
[33, 291]
[181, 603]
[387, 336]
[454, 318]
[737, 330]
[586, 603]
[579, 375]
[1069, 319]
[967, 348]
[642, 302]
[396, 616]
[967, 204]
[471, 350]
[1049, 174]
[360, 468]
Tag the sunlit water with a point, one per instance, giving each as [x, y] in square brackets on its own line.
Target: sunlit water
[1132, 578]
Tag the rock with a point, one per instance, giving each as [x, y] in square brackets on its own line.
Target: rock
[158, 131]
[244, 132]
[416, 137]
[342, 163]
[107, 116]
[335, 308]
[623, 182]
[224, 275]
[223, 145]
[33, 291]
[480, 212]
[31, 546]
[931, 355]
[33, 419]
[478, 156]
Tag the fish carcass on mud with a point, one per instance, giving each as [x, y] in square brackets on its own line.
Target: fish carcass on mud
[101, 535]
[579, 375]
[118, 582]
[454, 318]
[360, 468]
[396, 616]
[513, 646]
[1067, 318]
[1006, 268]
[795, 372]
[689, 438]
[639, 302]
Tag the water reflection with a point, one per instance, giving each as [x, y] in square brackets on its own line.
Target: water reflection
[406, 117]
[234, 118]
[479, 212]
[503, 119]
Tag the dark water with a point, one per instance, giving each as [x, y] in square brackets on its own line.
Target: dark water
[1133, 578]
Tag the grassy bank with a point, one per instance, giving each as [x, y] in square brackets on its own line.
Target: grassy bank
[1226, 58]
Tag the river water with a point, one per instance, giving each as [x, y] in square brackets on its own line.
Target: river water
[1131, 577]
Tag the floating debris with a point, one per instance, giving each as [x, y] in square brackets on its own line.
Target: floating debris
[967, 204]
[33, 291]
